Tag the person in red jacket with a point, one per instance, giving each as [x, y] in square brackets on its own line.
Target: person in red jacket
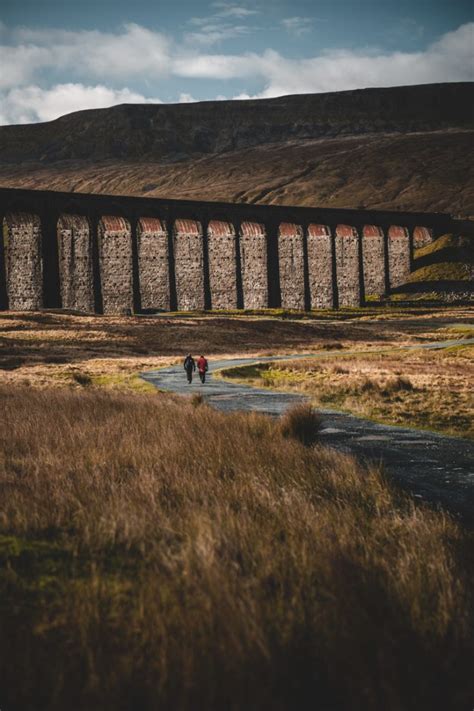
[202, 368]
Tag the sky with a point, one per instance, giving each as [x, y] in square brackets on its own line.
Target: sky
[59, 56]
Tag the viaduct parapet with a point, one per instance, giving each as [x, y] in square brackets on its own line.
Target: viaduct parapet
[112, 254]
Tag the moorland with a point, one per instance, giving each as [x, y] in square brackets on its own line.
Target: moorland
[159, 554]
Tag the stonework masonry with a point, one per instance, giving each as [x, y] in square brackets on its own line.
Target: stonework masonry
[221, 247]
[119, 254]
[373, 251]
[398, 255]
[116, 266]
[189, 265]
[153, 264]
[75, 263]
[23, 262]
[253, 260]
[291, 266]
[348, 266]
[320, 267]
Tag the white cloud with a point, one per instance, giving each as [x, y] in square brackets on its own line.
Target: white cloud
[131, 52]
[218, 66]
[229, 9]
[297, 25]
[218, 26]
[186, 99]
[31, 103]
[449, 59]
[214, 33]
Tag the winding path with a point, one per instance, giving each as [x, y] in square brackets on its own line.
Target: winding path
[433, 467]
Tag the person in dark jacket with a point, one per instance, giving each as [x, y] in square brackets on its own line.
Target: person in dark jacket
[203, 367]
[190, 367]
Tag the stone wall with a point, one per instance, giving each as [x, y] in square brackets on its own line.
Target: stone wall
[320, 267]
[75, 263]
[398, 255]
[222, 253]
[153, 264]
[347, 266]
[116, 265]
[291, 265]
[189, 265]
[23, 261]
[373, 249]
[254, 265]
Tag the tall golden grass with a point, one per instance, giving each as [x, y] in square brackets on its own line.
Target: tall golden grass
[158, 555]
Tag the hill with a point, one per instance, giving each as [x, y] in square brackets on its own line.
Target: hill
[402, 148]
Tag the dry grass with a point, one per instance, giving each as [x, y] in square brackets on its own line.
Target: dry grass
[302, 423]
[157, 555]
[428, 171]
[56, 349]
[429, 389]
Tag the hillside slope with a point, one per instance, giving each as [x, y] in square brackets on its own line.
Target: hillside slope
[399, 148]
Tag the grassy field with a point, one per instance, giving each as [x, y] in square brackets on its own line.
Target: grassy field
[160, 555]
[56, 349]
[427, 389]
[421, 389]
[156, 554]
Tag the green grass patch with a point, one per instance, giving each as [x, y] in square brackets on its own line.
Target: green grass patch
[123, 381]
[460, 330]
[445, 242]
[448, 241]
[108, 381]
[443, 271]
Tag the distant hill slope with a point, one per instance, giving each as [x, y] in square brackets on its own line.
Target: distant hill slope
[399, 148]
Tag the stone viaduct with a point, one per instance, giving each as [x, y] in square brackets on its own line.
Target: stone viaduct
[117, 254]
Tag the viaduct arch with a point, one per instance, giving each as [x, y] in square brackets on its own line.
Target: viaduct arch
[120, 254]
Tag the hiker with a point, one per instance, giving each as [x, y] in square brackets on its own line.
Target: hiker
[189, 366]
[203, 367]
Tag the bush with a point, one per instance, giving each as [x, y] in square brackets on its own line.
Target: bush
[402, 383]
[82, 379]
[387, 387]
[302, 423]
[197, 400]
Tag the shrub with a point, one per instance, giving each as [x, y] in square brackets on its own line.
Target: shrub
[387, 387]
[402, 383]
[302, 423]
[82, 379]
[197, 400]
